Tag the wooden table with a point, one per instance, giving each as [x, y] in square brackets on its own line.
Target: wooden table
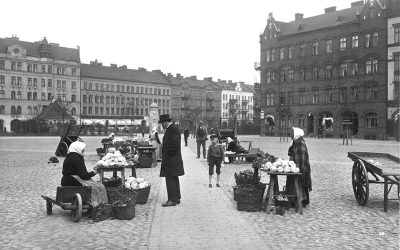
[273, 183]
[249, 142]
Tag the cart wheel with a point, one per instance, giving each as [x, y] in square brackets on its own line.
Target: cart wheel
[63, 148]
[49, 207]
[360, 182]
[76, 207]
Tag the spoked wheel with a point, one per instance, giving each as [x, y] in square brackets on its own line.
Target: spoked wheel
[63, 148]
[360, 182]
[76, 211]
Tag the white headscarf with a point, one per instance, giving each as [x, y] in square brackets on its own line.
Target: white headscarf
[229, 139]
[111, 135]
[297, 133]
[77, 147]
[154, 129]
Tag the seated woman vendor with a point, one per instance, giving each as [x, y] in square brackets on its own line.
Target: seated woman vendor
[74, 164]
[231, 146]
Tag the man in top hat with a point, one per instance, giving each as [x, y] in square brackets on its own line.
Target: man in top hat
[171, 163]
[201, 138]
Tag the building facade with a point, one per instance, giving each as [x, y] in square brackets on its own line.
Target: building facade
[32, 74]
[326, 71]
[118, 95]
[393, 65]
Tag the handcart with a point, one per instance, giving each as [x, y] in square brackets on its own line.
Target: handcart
[74, 198]
[368, 165]
[71, 134]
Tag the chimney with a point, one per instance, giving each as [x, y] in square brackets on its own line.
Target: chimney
[123, 67]
[113, 65]
[169, 75]
[156, 71]
[358, 3]
[208, 79]
[229, 81]
[298, 16]
[193, 77]
[141, 69]
[179, 76]
[330, 9]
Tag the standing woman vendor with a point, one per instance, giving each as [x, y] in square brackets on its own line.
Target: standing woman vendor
[75, 173]
[155, 141]
[299, 154]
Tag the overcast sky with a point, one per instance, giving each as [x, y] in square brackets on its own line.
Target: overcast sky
[207, 38]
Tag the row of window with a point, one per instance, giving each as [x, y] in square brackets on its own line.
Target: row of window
[370, 40]
[123, 100]
[17, 95]
[121, 88]
[30, 111]
[370, 121]
[345, 69]
[33, 67]
[237, 97]
[246, 116]
[17, 80]
[328, 95]
[118, 111]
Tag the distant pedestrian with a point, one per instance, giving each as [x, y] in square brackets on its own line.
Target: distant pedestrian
[171, 164]
[201, 138]
[299, 154]
[320, 129]
[215, 157]
[186, 136]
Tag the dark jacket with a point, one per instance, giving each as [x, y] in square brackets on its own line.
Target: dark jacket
[186, 132]
[171, 164]
[74, 164]
[201, 134]
[232, 146]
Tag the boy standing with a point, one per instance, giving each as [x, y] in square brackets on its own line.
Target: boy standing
[215, 156]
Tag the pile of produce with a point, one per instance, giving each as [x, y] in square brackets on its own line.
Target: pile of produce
[281, 166]
[246, 177]
[132, 157]
[136, 183]
[113, 159]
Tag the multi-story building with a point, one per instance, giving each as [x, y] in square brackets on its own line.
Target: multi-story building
[327, 70]
[393, 61]
[120, 94]
[195, 100]
[237, 103]
[31, 75]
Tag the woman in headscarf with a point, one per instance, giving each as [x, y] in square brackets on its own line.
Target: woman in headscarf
[74, 164]
[299, 154]
[155, 141]
[75, 173]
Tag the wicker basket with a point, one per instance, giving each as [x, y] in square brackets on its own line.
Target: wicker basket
[245, 181]
[125, 211]
[249, 197]
[142, 195]
[145, 162]
[121, 194]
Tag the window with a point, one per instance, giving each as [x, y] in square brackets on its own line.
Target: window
[34, 81]
[283, 76]
[343, 70]
[328, 95]
[43, 96]
[302, 74]
[290, 52]
[315, 48]
[49, 96]
[13, 80]
[269, 77]
[291, 97]
[63, 97]
[375, 39]
[372, 93]
[371, 66]
[281, 53]
[34, 96]
[315, 96]
[96, 99]
[73, 98]
[272, 76]
[2, 94]
[58, 83]
[354, 93]
[282, 98]
[29, 96]
[122, 88]
[300, 120]
[63, 71]
[35, 68]
[13, 66]
[2, 79]
[371, 120]
[101, 99]
[354, 41]
[43, 84]
[396, 71]
[43, 68]
[328, 71]
[73, 85]
[19, 67]
[64, 84]
[112, 111]
[13, 95]
[342, 43]
[118, 88]
[73, 72]
[96, 110]
[90, 110]
[302, 50]
[270, 99]
[90, 99]
[291, 74]
[302, 93]
[49, 83]
[396, 36]
[58, 71]
[315, 73]
[13, 110]
[19, 80]
[112, 100]
[112, 88]
[2, 64]
[19, 94]
[354, 68]
[272, 55]
[343, 94]
[29, 68]
[49, 69]
[90, 86]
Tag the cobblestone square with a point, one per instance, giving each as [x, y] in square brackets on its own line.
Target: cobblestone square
[206, 218]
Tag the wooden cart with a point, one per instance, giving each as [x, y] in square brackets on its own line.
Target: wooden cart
[368, 165]
[74, 198]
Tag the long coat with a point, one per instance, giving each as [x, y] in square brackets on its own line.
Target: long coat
[74, 164]
[171, 163]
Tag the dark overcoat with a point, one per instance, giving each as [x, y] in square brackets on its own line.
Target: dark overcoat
[171, 163]
[74, 164]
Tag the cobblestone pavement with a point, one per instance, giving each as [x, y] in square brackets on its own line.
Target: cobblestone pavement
[208, 217]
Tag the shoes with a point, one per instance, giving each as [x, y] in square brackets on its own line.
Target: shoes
[218, 185]
[178, 201]
[210, 185]
[197, 157]
[169, 204]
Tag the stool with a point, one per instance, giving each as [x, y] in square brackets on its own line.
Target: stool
[273, 183]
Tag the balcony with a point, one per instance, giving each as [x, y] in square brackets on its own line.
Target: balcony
[186, 95]
[257, 66]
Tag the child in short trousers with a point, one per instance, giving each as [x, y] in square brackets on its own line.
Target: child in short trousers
[215, 156]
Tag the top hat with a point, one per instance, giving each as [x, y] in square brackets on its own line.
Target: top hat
[164, 118]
